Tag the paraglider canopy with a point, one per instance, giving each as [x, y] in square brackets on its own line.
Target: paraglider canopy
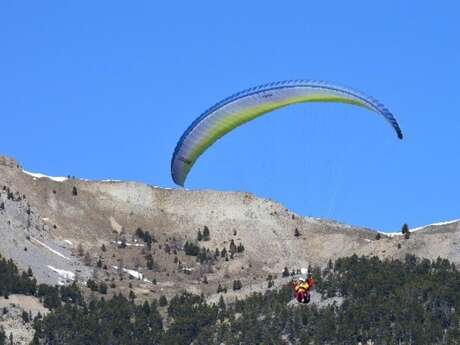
[249, 104]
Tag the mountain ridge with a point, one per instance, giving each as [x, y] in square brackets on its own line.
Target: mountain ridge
[54, 218]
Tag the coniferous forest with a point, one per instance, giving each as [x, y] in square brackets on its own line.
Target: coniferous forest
[386, 302]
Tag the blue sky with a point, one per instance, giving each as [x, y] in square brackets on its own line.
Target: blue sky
[104, 90]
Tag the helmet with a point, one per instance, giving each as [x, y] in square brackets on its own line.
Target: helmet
[301, 279]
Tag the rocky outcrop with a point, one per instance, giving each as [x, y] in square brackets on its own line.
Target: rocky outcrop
[9, 162]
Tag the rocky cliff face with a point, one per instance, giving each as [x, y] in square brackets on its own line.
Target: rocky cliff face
[48, 223]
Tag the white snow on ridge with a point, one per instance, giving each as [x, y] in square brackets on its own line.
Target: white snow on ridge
[50, 249]
[392, 234]
[63, 273]
[436, 224]
[38, 175]
[165, 188]
[62, 179]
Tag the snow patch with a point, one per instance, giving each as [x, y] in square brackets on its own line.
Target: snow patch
[135, 274]
[50, 249]
[158, 187]
[63, 273]
[38, 175]
[129, 244]
[135, 244]
[68, 242]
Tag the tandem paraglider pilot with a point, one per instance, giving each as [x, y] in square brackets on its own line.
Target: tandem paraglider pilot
[302, 287]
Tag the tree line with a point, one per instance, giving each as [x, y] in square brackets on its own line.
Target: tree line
[410, 301]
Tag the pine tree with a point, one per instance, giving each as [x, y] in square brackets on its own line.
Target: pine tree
[406, 232]
[233, 248]
[139, 233]
[405, 228]
[191, 249]
[286, 272]
[221, 304]
[132, 295]
[150, 262]
[25, 316]
[206, 234]
[237, 285]
[163, 301]
[91, 284]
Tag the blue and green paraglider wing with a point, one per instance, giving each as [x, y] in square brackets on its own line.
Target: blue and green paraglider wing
[249, 104]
